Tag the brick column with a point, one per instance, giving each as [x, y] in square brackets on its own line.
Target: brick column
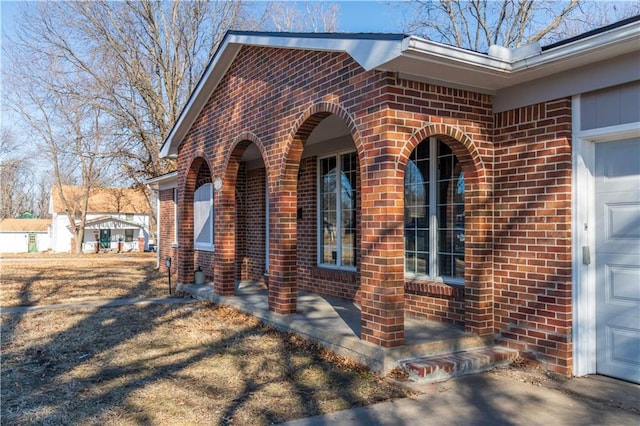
[478, 291]
[225, 236]
[141, 244]
[382, 259]
[283, 286]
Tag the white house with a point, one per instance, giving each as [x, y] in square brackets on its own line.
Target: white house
[25, 235]
[117, 219]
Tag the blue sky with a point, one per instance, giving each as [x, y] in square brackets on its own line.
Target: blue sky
[354, 15]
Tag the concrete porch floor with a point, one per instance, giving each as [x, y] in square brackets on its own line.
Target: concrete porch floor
[335, 324]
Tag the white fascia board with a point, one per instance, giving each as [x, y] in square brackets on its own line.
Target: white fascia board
[612, 43]
[489, 74]
[431, 51]
[168, 180]
[368, 52]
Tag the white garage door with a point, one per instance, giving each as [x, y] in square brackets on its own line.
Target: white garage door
[617, 257]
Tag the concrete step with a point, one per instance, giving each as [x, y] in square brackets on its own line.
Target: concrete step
[439, 368]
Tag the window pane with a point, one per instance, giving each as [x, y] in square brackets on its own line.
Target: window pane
[338, 191]
[450, 214]
[328, 190]
[348, 205]
[416, 211]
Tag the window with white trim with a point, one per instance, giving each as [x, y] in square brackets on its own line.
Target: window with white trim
[203, 217]
[337, 211]
[434, 213]
[175, 217]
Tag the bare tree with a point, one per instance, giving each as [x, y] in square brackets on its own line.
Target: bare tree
[137, 61]
[16, 177]
[306, 16]
[70, 134]
[478, 24]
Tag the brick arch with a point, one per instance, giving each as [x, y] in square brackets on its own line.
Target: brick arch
[226, 212]
[478, 290]
[459, 142]
[237, 148]
[283, 199]
[196, 175]
[305, 124]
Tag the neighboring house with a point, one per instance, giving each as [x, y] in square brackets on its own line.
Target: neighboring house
[117, 219]
[497, 191]
[25, 235]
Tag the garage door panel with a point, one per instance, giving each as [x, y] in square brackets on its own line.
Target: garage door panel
[617, 253]
[623, 347]
[622, 284]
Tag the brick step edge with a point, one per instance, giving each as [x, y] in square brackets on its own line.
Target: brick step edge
[443, 367]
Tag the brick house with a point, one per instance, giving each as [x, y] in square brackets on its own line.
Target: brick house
[418, 179]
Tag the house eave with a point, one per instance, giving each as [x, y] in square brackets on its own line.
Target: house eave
[167, 179]
[415, 58]
[424, 60]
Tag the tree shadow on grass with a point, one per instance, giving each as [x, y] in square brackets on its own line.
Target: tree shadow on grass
[72, 377]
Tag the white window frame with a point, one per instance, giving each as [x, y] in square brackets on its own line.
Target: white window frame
[320, 219]
[175, 218]
[432, 195]
[200, 222]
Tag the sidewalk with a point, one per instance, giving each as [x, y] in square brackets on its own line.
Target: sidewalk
[490, 399]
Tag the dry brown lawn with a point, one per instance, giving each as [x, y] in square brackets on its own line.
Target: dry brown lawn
[45, 279]
[161, 363]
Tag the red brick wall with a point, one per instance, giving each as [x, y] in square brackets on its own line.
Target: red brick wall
[277, 97]
[166, 233]
[242, 200]
[307, 216]
[253, 263]
[532, 243]
[517, 175]
[435, 301]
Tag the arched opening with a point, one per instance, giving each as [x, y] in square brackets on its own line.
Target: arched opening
[242, 216]
[328, 201]
[251, 216]
[197, 243]
[447, 243]
[313, 226]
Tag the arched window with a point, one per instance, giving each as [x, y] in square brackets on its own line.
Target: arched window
[434, 213]
[203, 217]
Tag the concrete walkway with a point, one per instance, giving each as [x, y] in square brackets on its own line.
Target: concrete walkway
[335, 324]
[489, 399]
